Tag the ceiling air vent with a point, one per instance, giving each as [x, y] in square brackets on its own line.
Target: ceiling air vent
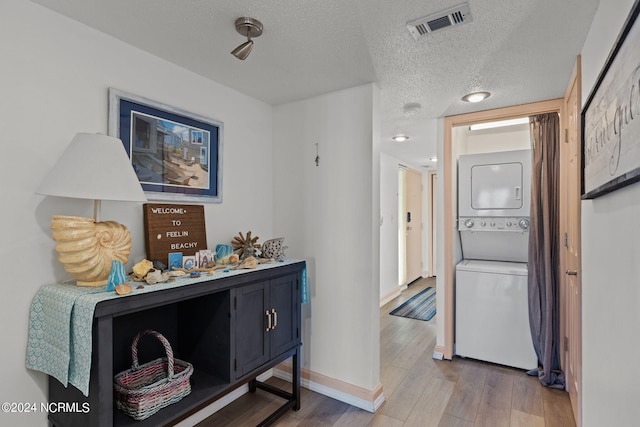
[438, 21]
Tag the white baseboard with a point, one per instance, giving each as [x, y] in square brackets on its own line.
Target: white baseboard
[389, 296]
[369, 400]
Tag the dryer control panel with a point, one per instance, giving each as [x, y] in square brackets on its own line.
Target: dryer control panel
[475, 223]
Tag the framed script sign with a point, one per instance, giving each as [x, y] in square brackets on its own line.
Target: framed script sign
[611, 117]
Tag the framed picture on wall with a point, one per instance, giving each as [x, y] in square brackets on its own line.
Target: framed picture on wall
[176, 155]
[611, 117]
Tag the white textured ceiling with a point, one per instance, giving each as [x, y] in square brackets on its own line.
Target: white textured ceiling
[519, 50]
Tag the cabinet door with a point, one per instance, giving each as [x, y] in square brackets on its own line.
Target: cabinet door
[283, 303]
[252, 346]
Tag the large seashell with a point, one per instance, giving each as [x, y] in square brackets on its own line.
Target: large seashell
[86, 248]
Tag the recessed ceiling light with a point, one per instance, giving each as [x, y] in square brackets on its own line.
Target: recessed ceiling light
[476, 96]
[400, 138]
[433, 158]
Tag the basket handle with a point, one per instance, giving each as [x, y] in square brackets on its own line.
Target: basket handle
[165, 343]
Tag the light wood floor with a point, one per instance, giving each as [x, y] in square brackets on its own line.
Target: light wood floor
[419, 390]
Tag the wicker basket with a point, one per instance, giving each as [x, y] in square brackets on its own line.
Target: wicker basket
[145, 389]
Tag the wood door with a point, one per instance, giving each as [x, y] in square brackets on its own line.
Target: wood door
[414, 225]
[571, 283]
[252, 345]
[283, 303]
[434, 221]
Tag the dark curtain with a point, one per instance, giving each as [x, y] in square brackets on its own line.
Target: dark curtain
[544, 296]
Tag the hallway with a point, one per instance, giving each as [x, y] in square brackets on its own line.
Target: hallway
[419, 390]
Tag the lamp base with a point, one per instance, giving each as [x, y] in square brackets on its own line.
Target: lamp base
[86, 248]
[91, 284]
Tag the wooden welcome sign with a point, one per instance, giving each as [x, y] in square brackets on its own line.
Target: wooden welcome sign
[173, 228]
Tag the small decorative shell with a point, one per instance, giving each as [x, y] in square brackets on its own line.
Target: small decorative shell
[248, 263]
[274, 248]
[86, 248]
[123, 289]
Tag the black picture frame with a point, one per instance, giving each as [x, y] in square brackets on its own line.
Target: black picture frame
[610, 118]
[177, 155]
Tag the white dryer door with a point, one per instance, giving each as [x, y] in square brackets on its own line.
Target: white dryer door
[496, 186]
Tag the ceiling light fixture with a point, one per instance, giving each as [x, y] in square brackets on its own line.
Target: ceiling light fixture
[500, 123]
[249, 27]
[400, 138]
[476, 96]
[433, 158]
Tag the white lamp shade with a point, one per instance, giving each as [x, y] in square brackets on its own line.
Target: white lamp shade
[93, 166]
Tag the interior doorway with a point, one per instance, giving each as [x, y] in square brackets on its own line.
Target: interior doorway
[409, 225]
[451, 251]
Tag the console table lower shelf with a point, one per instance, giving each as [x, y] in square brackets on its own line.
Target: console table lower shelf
[231, 329]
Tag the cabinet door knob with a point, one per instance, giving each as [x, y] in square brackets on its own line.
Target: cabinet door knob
[275, 318]
[268, 320]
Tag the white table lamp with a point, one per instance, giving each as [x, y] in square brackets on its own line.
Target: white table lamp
[94, 167]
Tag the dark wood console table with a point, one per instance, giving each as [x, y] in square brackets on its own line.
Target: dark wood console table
[231, 329]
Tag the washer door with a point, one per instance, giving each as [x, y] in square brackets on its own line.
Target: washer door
[492, 316]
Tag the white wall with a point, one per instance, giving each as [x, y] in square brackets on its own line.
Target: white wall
[329, 215]
[390, 286]
[389, 281]
[54, 83]
[610, 268]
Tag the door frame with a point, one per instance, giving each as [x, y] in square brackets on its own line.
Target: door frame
[571, 349]
[449, 208]
[402, 225]
[413, 255]
[433, 206]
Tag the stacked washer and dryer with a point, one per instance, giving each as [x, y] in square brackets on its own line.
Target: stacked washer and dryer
[492, 312]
